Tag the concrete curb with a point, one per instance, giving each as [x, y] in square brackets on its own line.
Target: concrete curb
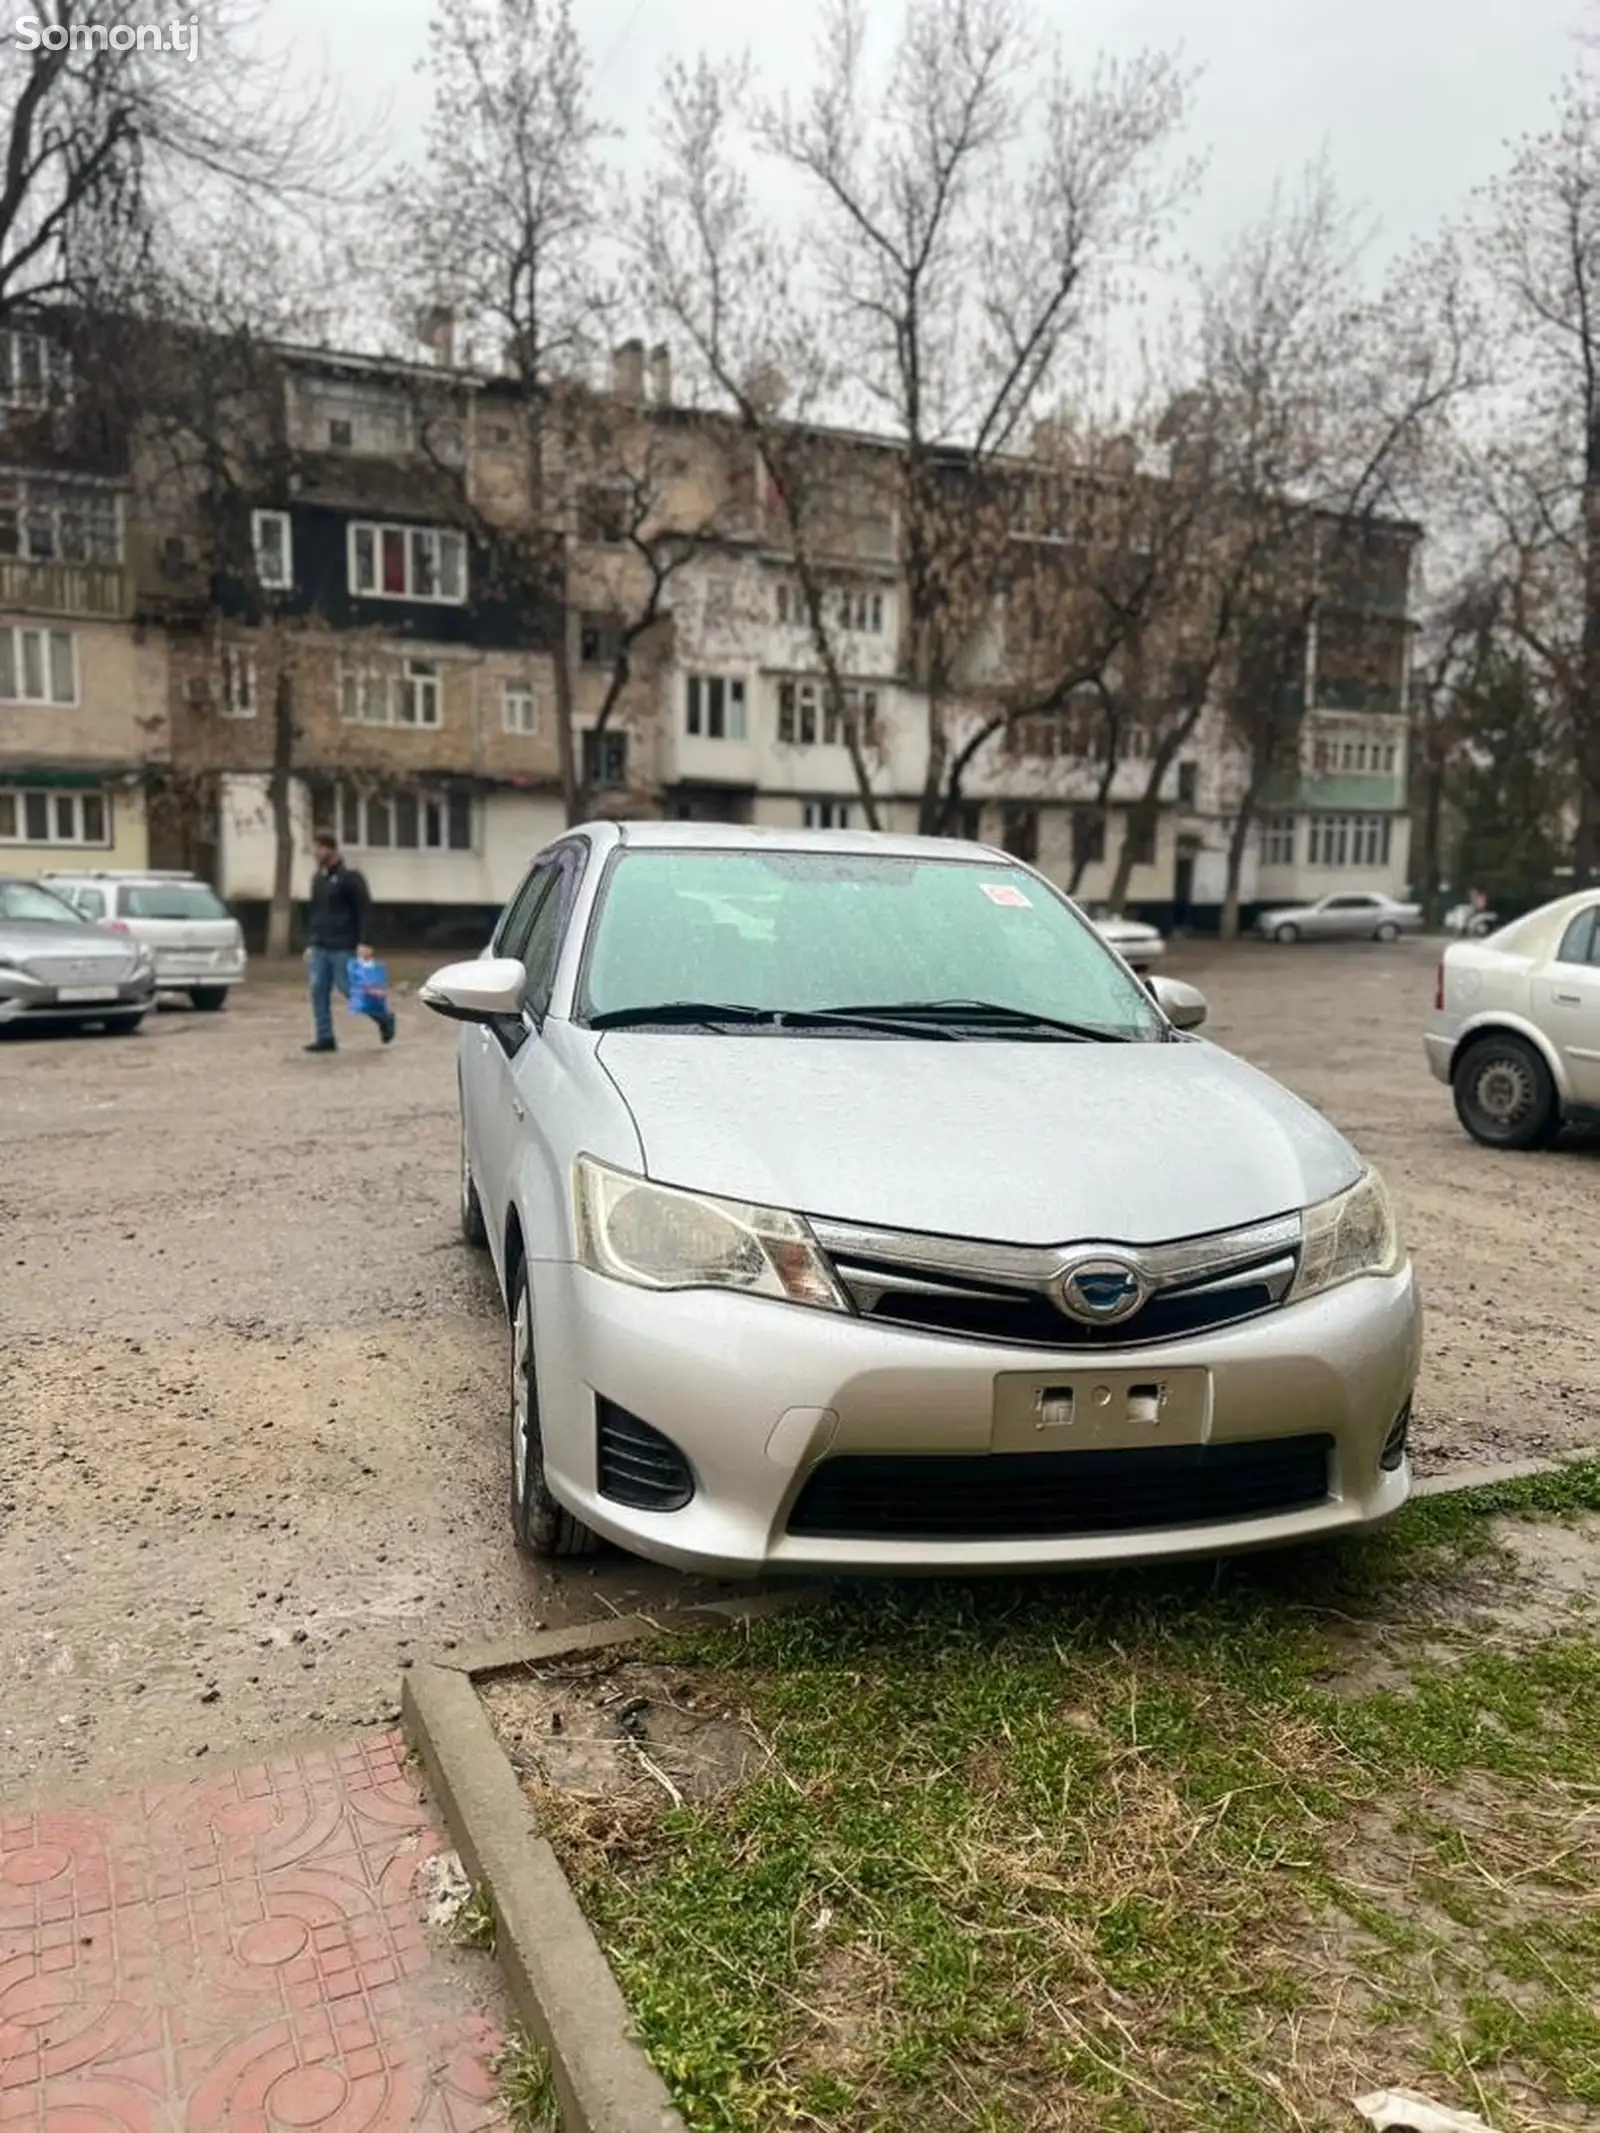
[555, 1970]
[1461, 1480]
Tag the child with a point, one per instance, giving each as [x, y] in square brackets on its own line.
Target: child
[369, 990]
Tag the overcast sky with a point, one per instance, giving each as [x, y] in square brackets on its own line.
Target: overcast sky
[1414, 99]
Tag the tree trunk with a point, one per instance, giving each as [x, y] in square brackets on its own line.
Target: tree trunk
[574, 787]
[930, 807]
[1146, 810]
[1586, 723]
[280, 913]
[1238, 838]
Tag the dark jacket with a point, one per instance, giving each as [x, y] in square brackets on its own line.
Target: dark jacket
[339, 905]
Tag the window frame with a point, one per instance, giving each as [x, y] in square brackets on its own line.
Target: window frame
[282, 521]
[525, 692]
[77, 798]
[17, 632]
[234, 661]
[406, 532]
[352, 804]
[698, 706]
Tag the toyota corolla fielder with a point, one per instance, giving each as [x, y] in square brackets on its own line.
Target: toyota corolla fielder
[856, 1207]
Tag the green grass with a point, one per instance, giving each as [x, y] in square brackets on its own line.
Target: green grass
[478, 1926]
[527, 2086]
[1136, 1853]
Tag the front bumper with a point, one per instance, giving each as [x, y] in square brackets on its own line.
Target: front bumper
[24, 998]
[182, 971]
[756, 1394]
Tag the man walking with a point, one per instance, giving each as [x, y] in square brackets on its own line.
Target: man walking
[335, 931]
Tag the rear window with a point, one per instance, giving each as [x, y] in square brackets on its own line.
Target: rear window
[173, 899]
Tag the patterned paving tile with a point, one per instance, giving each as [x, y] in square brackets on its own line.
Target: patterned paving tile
[240, 1954]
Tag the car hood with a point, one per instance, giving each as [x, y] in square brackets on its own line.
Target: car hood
[1020, 1143]
[30, 940]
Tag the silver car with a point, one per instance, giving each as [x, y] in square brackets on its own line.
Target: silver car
[1516, 1025]
[854, 1207]
[57, 967]
[1140, 946]
[197, 943]
[1352, 915]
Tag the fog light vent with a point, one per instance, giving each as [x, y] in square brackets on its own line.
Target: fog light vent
[1394, 1445]
[637, 1466]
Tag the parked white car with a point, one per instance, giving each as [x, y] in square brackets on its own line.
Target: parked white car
[197, 944]
[1138, 945]
[1516, 1025]
[1351, 915]
[900, 1226]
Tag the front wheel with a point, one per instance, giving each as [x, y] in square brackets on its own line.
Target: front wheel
[1387, 932]
[208, 998]
[1286, 936]
[540, 1525]
[1505, 1096]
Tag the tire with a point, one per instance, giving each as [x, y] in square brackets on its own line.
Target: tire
[1504, 1095]
[474, 1230]
[122, 1025]
[208, 998]
[1387, 932]
[1286, 936]
[540, 1526]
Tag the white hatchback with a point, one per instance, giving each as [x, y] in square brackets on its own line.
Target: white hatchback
[197, 944]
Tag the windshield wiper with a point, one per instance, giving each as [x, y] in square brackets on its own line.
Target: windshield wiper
[708, 1013]
[956, 1014]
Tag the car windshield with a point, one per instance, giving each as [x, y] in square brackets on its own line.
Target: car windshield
[808, 932]
[172, 899]
[26, 900]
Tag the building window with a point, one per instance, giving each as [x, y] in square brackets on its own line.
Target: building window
[405, 820]
[39, 816]
[38, 666]
[236, 691]
[861, 611]
[605, 759]
[1140, 834]
[599, 640]
[1019, 833]
[1278, 840]
[1088, 836]
[274, 548]
[407, 695]
[408, 563]
[714, 707]
[1188, 784]
[826, 814]
[787, 602]
[341, 433]
[60, 522]
[1350, 840]
[31, 368]
[519, 707]
[802, 714]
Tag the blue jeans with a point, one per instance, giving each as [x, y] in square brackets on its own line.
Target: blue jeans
[327, 968]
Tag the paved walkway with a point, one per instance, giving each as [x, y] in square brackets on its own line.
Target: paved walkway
[242, 1952]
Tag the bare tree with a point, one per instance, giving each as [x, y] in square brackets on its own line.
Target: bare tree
[1540, 249]
[946, 258]
[123, 123]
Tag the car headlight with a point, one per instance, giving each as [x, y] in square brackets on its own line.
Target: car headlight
[656, 1237]
[1352, 1234]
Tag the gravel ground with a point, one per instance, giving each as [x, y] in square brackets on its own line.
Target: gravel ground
[251, 1443]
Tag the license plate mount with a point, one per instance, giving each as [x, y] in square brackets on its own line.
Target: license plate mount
[84, 995]
[1084, 1409]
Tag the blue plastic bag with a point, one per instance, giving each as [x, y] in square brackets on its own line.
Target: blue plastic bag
[369, 988]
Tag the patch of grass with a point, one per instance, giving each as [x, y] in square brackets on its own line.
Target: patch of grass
[527, 2086]
[478, 1926]
[1146, 1852]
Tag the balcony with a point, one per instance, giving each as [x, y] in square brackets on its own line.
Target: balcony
[90, 590]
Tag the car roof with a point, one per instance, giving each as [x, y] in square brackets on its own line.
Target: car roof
[750, 837]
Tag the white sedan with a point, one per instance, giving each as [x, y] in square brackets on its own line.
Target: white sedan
[1138, 945]
[1516, 1025]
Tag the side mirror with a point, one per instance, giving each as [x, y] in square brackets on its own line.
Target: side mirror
[1183, 1005]
[489, 990]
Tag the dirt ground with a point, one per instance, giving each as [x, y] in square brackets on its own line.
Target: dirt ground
[251, 1444]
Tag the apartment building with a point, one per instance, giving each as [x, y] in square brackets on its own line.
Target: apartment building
[81, 684]
[340, 639]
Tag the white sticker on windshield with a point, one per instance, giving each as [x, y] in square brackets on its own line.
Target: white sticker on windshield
[1002, 893]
